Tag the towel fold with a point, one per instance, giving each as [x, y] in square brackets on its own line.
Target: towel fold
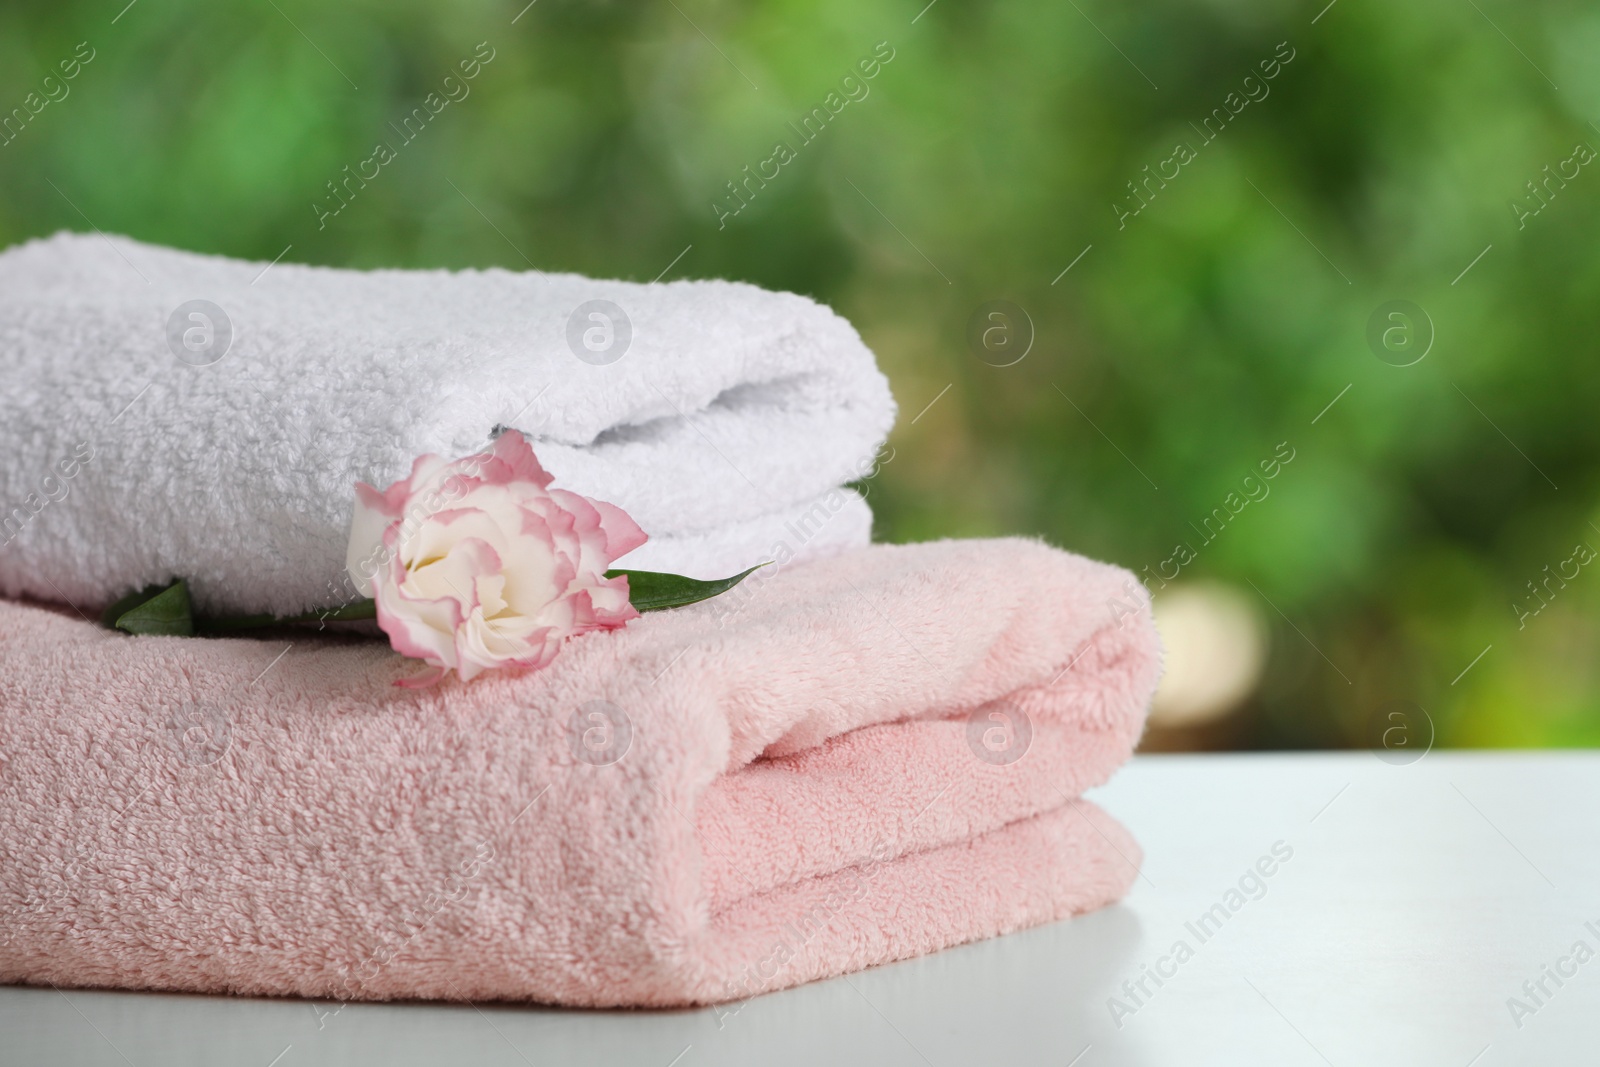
[873, 756]
[224, 448]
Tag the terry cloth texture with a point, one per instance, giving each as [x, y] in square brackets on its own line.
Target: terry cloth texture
[714, 802]
[725, 415]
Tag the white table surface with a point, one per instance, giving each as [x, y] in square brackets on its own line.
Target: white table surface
[1418, 900]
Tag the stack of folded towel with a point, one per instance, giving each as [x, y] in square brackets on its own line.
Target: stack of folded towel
[878, 754]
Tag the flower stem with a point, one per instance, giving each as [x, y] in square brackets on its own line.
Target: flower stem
[365, 608]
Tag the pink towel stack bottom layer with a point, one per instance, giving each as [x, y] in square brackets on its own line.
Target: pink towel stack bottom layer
[839, 764]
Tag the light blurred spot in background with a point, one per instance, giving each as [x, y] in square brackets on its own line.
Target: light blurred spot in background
[1216, 647]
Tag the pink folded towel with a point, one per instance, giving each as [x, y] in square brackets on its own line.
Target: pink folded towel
[857, 760]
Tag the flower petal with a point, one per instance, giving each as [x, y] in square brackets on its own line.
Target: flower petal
[480, 565]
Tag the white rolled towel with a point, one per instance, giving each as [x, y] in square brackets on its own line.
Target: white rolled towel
[167, 414]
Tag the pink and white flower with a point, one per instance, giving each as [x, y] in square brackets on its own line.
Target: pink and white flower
[477, 563]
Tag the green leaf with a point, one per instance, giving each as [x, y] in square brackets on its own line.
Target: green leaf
[153, 610]
[654, 591]
[109, 617]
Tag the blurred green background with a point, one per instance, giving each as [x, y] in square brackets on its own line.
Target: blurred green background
[986, 156]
